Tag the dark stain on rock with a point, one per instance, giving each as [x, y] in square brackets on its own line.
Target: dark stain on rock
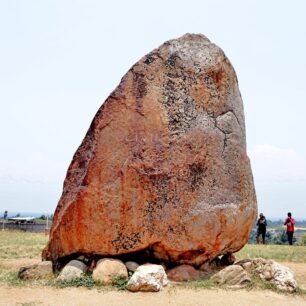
[150, 59]
[126, 242]
[197, 173]
[140, 91]
[171, 62]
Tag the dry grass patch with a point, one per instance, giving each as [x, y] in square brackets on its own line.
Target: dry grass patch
[280, 253]
[17, 244]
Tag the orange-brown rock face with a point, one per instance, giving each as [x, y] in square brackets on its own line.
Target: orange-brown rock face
[163, 165]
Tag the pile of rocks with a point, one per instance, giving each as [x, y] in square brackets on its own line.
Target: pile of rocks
[153, 277]
[238, 275]
[106, 271]
[270, 271]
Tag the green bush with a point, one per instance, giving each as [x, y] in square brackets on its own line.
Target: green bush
[120, 282]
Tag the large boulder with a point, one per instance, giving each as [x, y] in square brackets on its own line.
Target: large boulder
[163, 165]
[108, 270]
[42, 270]
[148, 277]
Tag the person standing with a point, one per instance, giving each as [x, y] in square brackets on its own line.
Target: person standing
[290, 227]
[261, 228]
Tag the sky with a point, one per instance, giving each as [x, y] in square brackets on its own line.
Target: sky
[59, 60]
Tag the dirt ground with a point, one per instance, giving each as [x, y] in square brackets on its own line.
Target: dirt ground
[300, 272]
[169, 296]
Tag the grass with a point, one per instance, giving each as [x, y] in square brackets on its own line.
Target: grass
[281, 253]
[120, 282]
[86, 281]
[257, 283]
[198, 284]
[10, 278]
[18, 244]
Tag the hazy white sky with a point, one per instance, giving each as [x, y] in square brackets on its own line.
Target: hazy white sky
[59, 60]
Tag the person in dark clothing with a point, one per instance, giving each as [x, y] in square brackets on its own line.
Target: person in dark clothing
[290, 227]
[261, 228]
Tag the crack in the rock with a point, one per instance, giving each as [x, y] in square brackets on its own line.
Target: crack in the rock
[231, 111]
[224, 144]
[214, 119]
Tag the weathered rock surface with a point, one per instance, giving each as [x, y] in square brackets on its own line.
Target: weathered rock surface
[131, 265]
[184, 273]
[42, 270]
[73, 270]
[148, 277]
[232, 276]
[271, 271]
[163, 164]
[211, 267]
[245, 263]
[108, 270]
